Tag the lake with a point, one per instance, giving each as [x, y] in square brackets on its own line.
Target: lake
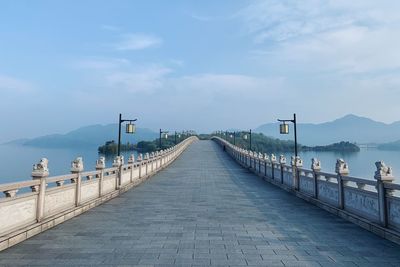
[16, 161]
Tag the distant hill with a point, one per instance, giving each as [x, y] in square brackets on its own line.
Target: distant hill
[350, 128]
[89, 136]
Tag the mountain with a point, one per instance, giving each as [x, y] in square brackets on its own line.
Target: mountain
[350, 128]
[89, 136]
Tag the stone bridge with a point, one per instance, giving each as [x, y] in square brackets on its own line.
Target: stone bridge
[205, 209]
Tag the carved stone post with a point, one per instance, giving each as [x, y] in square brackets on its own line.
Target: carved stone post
[131, 161]
[296, 163]
[100, 166]
[140, 159]
[266, 159]
[146, 158]
[282, 162]
[383, 175]
[260, 157]
[342, 169]
[77, 168]
[118, 162]
[273, 162]
[40, 172]
[151, 158]
[316, 167]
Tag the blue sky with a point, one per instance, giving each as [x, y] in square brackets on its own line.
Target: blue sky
[200, 65]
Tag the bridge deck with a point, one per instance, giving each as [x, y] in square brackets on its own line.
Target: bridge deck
[205, 210]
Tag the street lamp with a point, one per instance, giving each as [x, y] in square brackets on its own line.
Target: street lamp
[177, 137]
[163, 133]
[130, 129]
[245, 137]
[284, 129]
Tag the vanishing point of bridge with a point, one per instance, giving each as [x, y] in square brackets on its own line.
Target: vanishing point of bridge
[205, 209]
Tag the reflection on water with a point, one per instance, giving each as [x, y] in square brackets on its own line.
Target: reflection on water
[16, 161]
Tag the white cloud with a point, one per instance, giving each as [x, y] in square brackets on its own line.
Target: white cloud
[316, 35]
[122, 74]
[137, 41]
[11, 84]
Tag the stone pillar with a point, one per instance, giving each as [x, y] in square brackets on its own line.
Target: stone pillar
[118, 162]
[100, 166]
[383, 175]
[152, 161]
[341, 169]
[266, 159]
[40, 172]
[273, 162]
[260, 157]
[146, 158]
[140, 159]
[77, 168]
[316, 168]
[282, 162]
[131, 161]
[296, 163]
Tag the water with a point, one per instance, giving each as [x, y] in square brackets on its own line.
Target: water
[361, 164]
[16, 160]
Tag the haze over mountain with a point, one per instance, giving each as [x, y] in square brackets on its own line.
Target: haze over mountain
[88, 136]
[350, 128]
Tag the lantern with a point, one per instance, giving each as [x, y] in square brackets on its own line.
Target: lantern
[245, 137]
[130, 128]
[284, 128]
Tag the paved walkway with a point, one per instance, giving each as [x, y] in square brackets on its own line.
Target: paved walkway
[205, 210]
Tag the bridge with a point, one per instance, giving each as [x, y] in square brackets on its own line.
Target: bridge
[201, 203]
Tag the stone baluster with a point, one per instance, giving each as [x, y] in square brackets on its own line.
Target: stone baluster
[131, 161]
[282, 162]
[140, 159]
[118, 163]
[77, 168]
[341, 169]
[296, 163]
[316, 168]
[40, 172]
[266, 159]
[161, 158]
[273, 162]
[100, 166]
[146, 158]
[383, 175]
[260, 158]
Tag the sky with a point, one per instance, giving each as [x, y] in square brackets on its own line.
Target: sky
[202, 65]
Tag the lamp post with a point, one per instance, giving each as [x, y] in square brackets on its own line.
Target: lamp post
[234, 138]
[177, 137]
[284, 129]
[245, 137]
[130, 129]
[166, 136]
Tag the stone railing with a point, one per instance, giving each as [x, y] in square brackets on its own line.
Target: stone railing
[47, 201]
[372, 204]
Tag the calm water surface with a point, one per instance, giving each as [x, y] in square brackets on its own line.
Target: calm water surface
[16, 161]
